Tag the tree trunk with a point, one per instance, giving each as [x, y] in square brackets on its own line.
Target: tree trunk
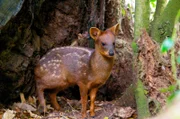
[163, 26]
[142, 13]
[161, 4]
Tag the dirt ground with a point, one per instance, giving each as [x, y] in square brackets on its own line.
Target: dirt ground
[70, 109]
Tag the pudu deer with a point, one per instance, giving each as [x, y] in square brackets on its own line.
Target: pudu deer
[67, 66]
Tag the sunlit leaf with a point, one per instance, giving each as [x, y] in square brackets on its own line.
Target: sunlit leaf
[106, 118]
[172, 96]
[167, 44]
[123, 12]
[153, 4]
[178, 59]
[152, 0]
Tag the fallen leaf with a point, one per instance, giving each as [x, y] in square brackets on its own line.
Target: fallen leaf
[124, 112]
[9, 114]
[34, 115]
[24, 106]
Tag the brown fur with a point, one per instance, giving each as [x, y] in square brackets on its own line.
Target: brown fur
[66, 66]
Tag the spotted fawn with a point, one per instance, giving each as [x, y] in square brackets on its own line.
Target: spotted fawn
[63, 67]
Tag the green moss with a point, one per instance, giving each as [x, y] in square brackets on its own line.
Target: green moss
[164, 25]
[142, 13]
[141, 101]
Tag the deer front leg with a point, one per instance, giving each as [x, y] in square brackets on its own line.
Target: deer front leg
[92, 98]
[84, 96]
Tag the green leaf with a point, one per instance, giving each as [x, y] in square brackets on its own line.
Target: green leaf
[134, 46]
[178, 59]
[152, 0]
[123, 12]
[172, 96]
[106, 118]
[171, 88]
[153, 4]
[167, 44]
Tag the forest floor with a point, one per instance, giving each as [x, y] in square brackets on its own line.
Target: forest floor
[70, 109]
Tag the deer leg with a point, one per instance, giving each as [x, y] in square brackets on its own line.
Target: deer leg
[92, 98]
[53, 99]
[84, 97]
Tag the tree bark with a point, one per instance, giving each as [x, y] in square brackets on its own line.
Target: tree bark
[161, 4]
[142, 13]
[163, 27]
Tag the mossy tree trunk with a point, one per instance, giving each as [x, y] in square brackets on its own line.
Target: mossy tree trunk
[161, 4]
[163, 25]
[142, 13]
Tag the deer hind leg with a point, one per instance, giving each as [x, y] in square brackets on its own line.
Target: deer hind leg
[42, 105]
[52, 95]
[92, 98]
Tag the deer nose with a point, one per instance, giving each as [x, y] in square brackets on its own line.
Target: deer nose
[111, 53]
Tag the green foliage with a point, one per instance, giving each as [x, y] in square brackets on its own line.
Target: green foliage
[123, 11]
[152, 0]
[141, 101]
[167, 44]
[171, 89]
[178, 59]
[153, 3]
[134, 47]
[173, 96]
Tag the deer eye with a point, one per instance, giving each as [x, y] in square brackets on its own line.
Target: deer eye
[103, 44]
[114, 43]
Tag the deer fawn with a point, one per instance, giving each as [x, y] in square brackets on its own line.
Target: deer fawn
[67, 66]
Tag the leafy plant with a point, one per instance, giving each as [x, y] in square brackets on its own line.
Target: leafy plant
[167, 44]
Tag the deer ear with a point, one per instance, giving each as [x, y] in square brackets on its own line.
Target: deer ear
[94, 32]
[114, 29]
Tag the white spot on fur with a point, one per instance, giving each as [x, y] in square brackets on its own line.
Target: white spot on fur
[57, 65]
[53, 49]
[58, 55]
[53, 75]
[69, 54]
[44, 65]
[57, 48]
[79, 48]
[48, 53]
[43, 58]
[54, 72]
